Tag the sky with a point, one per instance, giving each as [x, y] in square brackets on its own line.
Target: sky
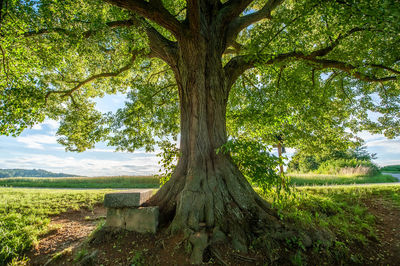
[37, 148]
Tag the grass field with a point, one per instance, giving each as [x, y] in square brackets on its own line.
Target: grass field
[317, 179]
[24, 215]
[153, 182]
[353, 193]
[83, 182]
[336, 213]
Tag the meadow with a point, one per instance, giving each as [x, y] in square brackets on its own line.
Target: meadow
[25, 215]
[153, 181]
[319, 179]
[83, 182]
[337, 213]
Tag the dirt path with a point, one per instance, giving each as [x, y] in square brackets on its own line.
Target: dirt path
[69, 230]
[388, 231]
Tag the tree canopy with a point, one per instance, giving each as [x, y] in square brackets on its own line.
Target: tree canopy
[334, 58]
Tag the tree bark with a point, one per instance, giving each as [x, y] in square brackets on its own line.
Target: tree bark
[280, 157]
[207, 196]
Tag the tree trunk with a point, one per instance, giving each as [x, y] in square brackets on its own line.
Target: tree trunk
[207, 196]
[279, 146]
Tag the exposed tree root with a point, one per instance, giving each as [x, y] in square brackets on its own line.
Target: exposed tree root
[218, 205]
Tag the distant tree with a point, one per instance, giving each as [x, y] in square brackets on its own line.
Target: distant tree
[30, 173]
[304, 161]
[57, 56]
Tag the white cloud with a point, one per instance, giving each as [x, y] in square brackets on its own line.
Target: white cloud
[52, 124]
[101, 150]
[389, 145]
[37, 127]
[133, 165]
[36, 141]
[390, 162]
[366, 136]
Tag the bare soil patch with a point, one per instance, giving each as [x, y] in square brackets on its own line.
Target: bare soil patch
[130, 248]
[68, 231]
[388, 231]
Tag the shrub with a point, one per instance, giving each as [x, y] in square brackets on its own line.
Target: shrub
[348, 167]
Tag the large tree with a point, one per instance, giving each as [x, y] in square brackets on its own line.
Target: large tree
[185, 56]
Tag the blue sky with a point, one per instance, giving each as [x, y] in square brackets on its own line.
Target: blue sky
[38, 148]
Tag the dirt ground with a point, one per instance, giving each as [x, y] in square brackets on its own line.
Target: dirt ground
[388, 231]
[70, 232]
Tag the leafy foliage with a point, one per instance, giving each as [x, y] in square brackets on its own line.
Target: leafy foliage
[280, 109]
[169, 155]
[255, 161]
[303, 102]
[150, 115]
[339, 166]
[333, 161]
[61, 55]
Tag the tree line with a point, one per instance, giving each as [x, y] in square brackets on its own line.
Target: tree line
[4, 173]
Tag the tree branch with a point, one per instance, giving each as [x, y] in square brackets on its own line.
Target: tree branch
[86, 34]
[235, 48]
[239, 64]
[66, 93]
[240, 23]
[1, 10]
[335, 43]
[386, 68]
[153, 10]
[193, 14]
[159, 45]
[232, 9]
[112, 25]
[348, 68]
[4, 60]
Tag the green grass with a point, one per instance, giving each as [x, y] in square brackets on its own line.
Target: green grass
[317, 179]
[24, 215]
[83, 182]
[335, 218]
[353, 193]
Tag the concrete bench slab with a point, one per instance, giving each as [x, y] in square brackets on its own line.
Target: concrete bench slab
[127, 198]
[142, 220]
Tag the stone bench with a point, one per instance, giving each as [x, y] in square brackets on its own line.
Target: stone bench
[124, 211]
